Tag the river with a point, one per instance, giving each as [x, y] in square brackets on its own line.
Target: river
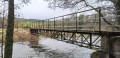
[49, 48]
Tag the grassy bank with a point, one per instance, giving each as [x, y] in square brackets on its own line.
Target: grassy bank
[20, 35]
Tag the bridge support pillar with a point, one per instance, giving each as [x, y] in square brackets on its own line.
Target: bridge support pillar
[110, 47]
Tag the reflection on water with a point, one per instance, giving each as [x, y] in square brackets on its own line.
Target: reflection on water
[32, 49]
[35, 48]
[40, 52]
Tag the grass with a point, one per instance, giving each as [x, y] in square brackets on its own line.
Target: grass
[29, 24]
[21, 35]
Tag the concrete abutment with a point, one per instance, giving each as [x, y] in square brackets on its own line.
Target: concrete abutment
[110, 47]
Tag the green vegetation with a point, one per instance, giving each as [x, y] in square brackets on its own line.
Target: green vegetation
[29, 24]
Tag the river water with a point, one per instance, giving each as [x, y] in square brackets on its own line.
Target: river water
[49, 48]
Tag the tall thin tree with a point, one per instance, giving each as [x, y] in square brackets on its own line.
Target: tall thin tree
[10, 30]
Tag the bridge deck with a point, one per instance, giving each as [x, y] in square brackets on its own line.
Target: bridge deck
[85, 32]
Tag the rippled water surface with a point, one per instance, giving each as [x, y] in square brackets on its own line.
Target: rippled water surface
[49, 48]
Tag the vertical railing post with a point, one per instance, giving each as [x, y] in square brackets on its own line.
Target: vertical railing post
[34, 25]
[48, 24]
[17, 25]
[68, 23]
[27, 26]
[39, 24]
[43, 24]
[60, 25]
[76, 22]
[63, 23]
[99, 19]
[54, 23]
[30, 25]
[21, 24]
[94, 28]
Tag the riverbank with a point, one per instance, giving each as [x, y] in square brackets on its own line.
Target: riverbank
[20, 35]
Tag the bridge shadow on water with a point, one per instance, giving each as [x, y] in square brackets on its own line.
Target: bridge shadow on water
[34, 49]
[43, 48]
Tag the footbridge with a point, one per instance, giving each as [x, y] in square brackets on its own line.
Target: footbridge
[84, 28]
[88, 28]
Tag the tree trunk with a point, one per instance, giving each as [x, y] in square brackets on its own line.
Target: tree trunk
[117, 6]
[10, 30]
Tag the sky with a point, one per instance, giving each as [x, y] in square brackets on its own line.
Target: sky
[38, 9]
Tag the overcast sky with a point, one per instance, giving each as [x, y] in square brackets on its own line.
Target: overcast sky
[38, 9]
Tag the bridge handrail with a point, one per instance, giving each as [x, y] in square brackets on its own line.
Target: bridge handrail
[73, 21]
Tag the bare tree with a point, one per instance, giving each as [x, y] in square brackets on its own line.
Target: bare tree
[10, 28]
[117, 7]
[80, 4]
